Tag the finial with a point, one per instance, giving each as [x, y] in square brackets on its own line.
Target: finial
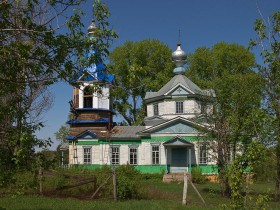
[179, 38]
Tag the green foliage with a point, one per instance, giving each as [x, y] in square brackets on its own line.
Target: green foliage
[265, 170]
[60, 180]
[138, 67]
[241, 166]
[269, 41]
[62, 133]
[197, 176]
[41, 43]
[229, 70]
[20, 183]
[129, 183]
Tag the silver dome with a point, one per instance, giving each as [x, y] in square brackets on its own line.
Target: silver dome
[179, 57]
[92, 28]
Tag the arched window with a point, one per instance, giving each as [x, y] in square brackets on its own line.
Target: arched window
[87, 98]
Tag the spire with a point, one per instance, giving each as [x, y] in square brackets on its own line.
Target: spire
[179, 57]
[179, 37]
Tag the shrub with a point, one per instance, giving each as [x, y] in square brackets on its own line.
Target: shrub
[129, 183]
[20, 182]
[197, 176]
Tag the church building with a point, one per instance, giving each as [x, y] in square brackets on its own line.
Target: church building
[172, 139]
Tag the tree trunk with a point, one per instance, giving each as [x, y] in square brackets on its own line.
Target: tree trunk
[277, 181]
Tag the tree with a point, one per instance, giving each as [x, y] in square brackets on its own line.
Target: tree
[138, 67]
[62, 133]
[269, 40]
[228, 69]
[41, 42]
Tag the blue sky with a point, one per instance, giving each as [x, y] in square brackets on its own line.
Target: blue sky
[202, 23]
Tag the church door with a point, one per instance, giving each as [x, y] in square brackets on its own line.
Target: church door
[178, 160]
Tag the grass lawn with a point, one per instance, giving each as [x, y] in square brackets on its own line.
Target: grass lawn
[164, 196]
[21, 194]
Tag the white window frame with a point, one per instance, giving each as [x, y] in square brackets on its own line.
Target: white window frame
[88, 97]
[87, 155]
[179, 107]
[133, 155]
[155, 154]
[202, 154]
[115, 155]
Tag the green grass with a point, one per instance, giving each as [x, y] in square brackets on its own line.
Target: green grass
[157, 195]
[38, 202]
[164, 196]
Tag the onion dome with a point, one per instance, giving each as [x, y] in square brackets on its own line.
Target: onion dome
[92, 28]
[179, 57]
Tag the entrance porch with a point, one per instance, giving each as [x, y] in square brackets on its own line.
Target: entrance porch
[178, 153]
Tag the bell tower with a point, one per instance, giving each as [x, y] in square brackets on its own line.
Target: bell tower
[91, 106]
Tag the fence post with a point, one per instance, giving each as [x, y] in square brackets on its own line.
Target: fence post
[40, 180]
[114, 184]
[185, 190]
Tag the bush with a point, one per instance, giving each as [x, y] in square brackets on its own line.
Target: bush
[129, 183]
[20, 182]
[197, 176]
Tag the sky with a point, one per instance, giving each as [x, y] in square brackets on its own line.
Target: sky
[201, 22]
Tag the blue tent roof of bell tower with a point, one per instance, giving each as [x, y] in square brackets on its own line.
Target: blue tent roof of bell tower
[94, 73]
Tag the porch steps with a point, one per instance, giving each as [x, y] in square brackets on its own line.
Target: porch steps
[174, 177]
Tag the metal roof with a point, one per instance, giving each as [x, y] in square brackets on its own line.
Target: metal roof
[102, 120]
[177, 141]
[126, 132]
[64, 146]
[180, 80]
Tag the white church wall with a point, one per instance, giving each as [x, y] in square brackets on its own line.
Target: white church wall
[168, 107]
[123, 154]
[150, 110]
[81, 96]
[98, 100]
[103, 98]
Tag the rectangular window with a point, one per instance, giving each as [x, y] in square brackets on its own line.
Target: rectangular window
[155, 109]
[203, 154]
[179, 107]
[133, 156]
[87, 155]
[115, 155]
[155, 155]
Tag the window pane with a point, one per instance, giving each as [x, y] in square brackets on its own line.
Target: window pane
[87, 155]
[203, 154]
[155, 154]
[115, 158]
[133, 156]
[155, 109]
[179, 107]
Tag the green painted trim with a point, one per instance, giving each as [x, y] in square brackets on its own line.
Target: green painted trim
[142, 168]
[87, 143]
[208, 169]
[87, 166]
[166, 138]
[151, 168]
[138, 141]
